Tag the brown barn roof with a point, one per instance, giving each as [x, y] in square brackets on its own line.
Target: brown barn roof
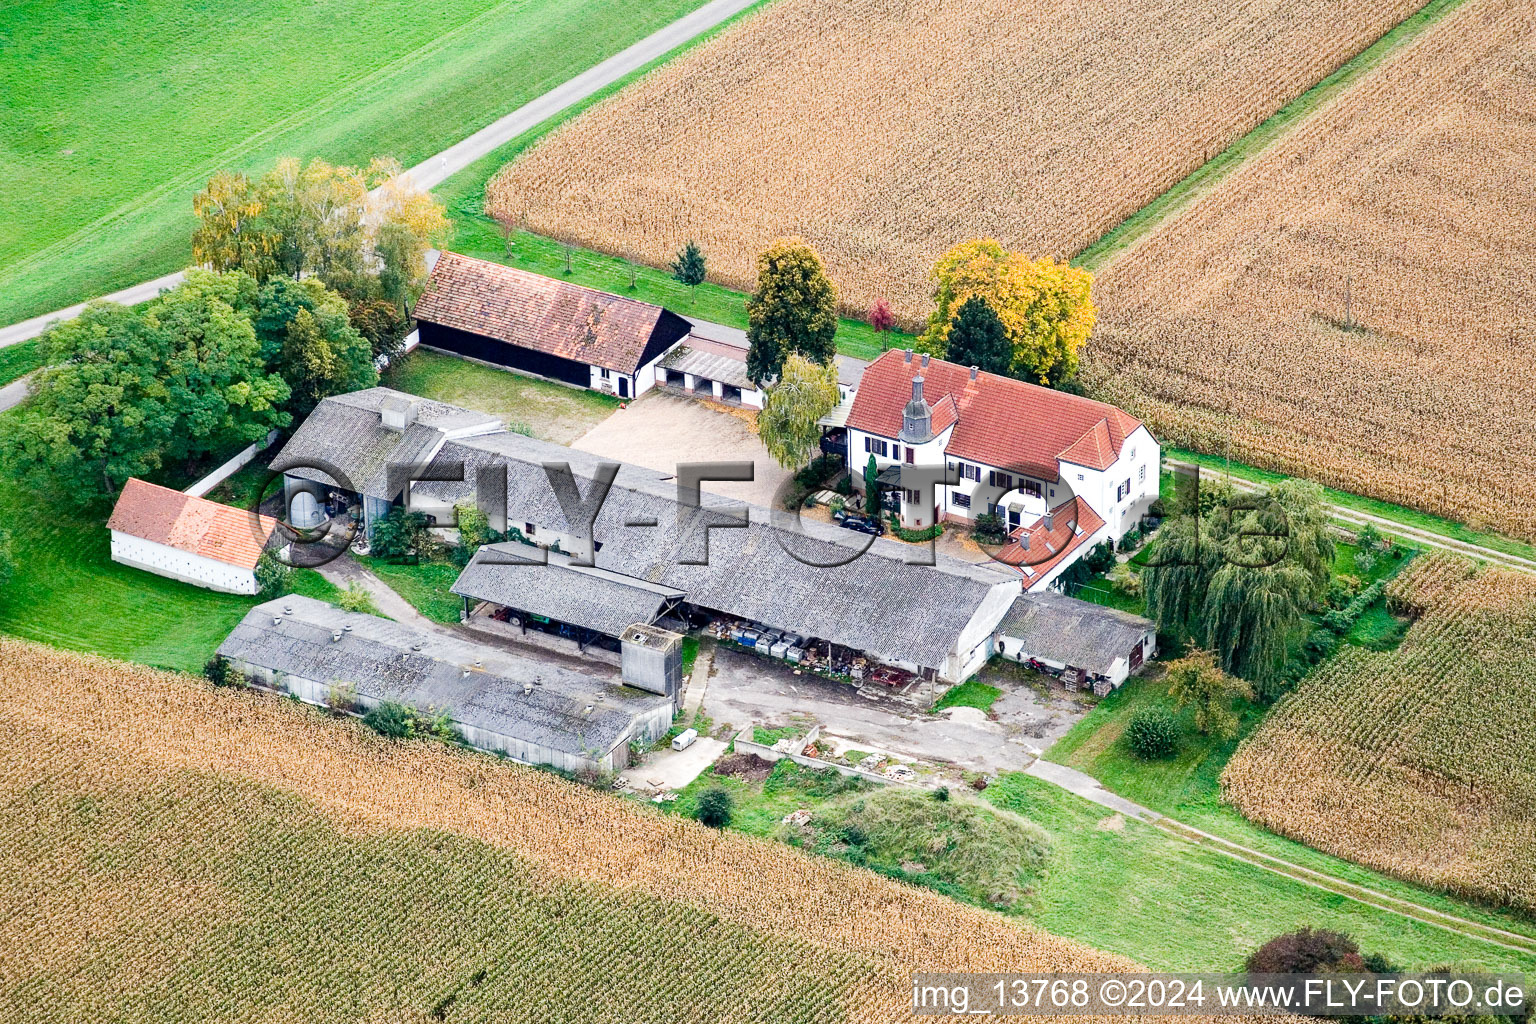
[162, 516]
[541, 313]
[1002, 422]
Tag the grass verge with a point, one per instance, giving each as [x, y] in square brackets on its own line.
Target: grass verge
[1412, 518]
[1207, 175]
[18, 360]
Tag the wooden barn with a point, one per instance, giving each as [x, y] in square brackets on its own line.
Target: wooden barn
[544, 327]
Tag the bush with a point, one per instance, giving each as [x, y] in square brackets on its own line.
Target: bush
[274, 578]
[218, 671]
[989, 529]
[1101, 559]
[715, 808]
[355, 598]
[403, 722]
[844, 485]
[1152, 733]
[1130, 540]
[941, 794]
[1306, 951]
[391, 719]
[927, 533]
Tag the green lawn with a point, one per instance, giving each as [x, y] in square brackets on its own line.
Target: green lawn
[1128, 887]
[68, 592]
[425, 586]
[970, 694]
[122, 111]
[543, 408]
[1187, 787]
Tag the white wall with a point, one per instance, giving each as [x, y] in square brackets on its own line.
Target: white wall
[176, 564]
[974, 645]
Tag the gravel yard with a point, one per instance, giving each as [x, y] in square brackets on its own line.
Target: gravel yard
[661, 430]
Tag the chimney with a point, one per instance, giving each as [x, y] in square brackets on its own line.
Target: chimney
[909, 355]
[917, 390]
[974, 371]
[1024, 540]
[397, 412]
[1049, 521]
[925, 359]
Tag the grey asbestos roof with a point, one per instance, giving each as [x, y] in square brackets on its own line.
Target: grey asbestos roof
[709, 365]
[516, 575]
[849, 369]
[347, 434]
[478, 685]
[875, 601]
[1063, 629]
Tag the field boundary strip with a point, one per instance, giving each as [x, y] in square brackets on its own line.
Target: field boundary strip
[1205, 178]
[1059, 776]
[1354, 517]
[1360, 894]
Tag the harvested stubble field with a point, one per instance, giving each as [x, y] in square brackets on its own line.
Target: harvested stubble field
[1416, 761]
[885, 131]
[172, 852]
[1418, 189]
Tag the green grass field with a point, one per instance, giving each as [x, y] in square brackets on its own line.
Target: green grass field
[1127, 887]
[120, 112]
[542, 408]
[18, 361]
[68, 592]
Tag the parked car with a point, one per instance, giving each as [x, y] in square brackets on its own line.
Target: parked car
[863, 524]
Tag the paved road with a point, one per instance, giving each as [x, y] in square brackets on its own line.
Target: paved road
[12, 394]
[1087, 787]
[434, 170]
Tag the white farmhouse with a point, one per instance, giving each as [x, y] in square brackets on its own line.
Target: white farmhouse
[1062, 472]
[190, 539]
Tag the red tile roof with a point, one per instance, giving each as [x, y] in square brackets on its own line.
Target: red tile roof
[221, 532]
[1002, 422]
[1049, 548]
[541, 313]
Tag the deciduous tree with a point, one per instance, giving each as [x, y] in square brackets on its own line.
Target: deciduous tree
[231, 233]
[1195, 680]
[803, 394]
[407, 222]
[1045, 307]
[124, 390]
[794, 309]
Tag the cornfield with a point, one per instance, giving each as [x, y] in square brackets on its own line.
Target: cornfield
[885, 131]
[1359, 304]
[171, 852]
[1417, 761]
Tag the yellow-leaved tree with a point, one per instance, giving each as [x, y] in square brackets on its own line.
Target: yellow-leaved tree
[1046, 307]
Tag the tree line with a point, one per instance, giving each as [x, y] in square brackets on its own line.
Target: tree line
[311, 272]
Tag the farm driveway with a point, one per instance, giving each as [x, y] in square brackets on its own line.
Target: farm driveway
[661, 430]
[745, 688]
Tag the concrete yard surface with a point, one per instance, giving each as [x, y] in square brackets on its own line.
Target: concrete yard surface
[746, 688]
[673, 769]
[660, 430]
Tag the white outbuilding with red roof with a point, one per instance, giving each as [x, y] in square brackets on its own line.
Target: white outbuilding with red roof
[1063, 472]
[194, 540]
